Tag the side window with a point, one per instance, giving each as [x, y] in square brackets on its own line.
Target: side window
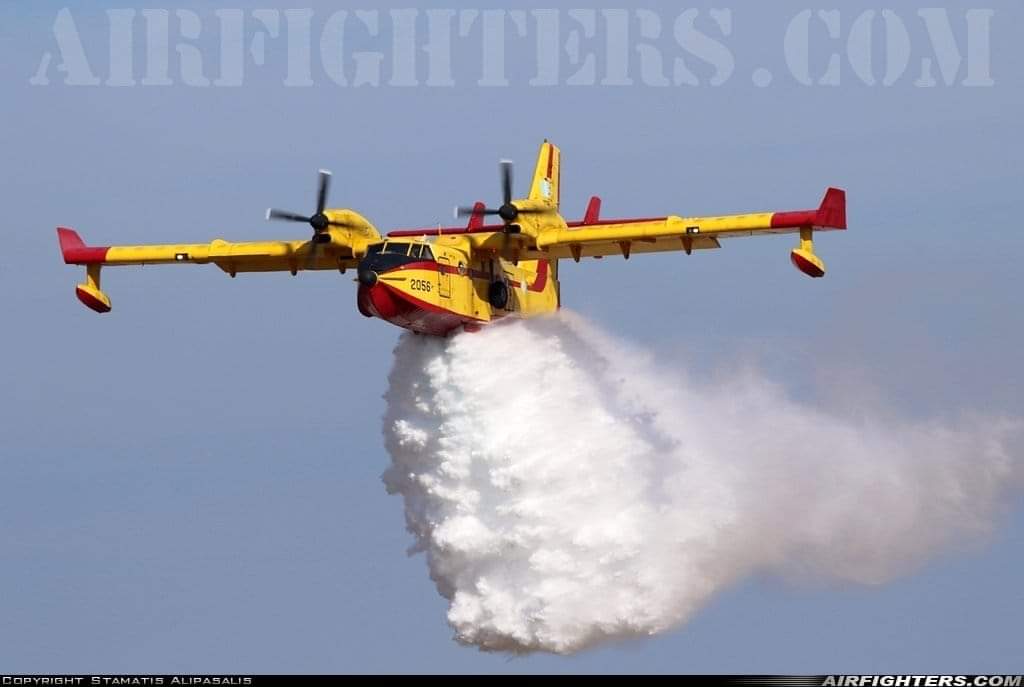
[426, 253]
[415, 252]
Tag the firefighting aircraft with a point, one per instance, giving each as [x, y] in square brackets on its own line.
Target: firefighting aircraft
[436, 280]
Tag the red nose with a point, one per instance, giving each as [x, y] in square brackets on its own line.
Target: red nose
[378, 301]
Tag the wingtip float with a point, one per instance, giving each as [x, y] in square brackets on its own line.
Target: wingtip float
[503, 262]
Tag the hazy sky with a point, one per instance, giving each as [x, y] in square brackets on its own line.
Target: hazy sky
[192, 482]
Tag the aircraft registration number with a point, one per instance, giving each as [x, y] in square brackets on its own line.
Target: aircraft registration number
[420, 285]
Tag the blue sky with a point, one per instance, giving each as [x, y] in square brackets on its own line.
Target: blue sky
[192, 482]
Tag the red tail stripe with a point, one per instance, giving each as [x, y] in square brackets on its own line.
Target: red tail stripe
[542, 277]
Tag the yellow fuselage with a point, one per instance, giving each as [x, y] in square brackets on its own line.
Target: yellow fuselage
[435, 285]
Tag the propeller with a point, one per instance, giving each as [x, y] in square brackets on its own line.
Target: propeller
[318, 220]
[507, 212]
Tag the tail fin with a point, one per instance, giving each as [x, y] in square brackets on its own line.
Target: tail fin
[476, 220]
[832, 212]
[547, 174]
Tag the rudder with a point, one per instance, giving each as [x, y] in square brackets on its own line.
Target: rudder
[547, 174]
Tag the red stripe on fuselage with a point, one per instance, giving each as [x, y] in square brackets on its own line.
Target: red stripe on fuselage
[538, 284]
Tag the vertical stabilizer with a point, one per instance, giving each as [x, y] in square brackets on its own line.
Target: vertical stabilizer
[547, 174]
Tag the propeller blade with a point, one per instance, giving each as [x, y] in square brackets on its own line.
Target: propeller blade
[321, 197]
[506, 181]
[465, 211]
[287, 216]
[318, 220]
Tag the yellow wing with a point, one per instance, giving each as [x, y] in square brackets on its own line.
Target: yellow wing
[595, 237]
[336, 248]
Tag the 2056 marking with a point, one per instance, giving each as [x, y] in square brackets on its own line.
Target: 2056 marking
[420, 285]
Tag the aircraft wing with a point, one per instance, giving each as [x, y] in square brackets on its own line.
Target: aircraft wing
[337, 249]
[594, 237]
[254, 256]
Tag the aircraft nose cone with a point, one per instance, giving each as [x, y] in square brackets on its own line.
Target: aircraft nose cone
[367, 277]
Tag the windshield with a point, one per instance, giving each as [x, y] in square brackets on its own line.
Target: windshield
[396, 248]
[415, 250]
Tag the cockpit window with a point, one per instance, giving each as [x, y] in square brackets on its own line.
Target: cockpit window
[396, 248]
[374, 248]
[421, 251]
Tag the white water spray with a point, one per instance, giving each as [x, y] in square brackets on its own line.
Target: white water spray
[566, 490]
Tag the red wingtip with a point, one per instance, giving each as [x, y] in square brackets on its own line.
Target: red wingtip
[832, 212]
[74, 250]
[70, 243]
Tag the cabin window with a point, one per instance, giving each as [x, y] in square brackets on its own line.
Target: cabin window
[374, 248]
[395, 248]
